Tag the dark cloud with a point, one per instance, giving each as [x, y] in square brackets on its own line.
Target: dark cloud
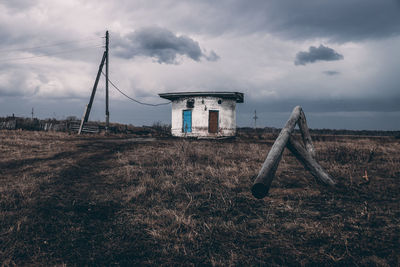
[339, 20]
[160, 44]
[331, 72]
[321, 53]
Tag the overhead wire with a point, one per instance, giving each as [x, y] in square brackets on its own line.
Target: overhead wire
[131, 98]
[51, 54]
[49, 45]
[68, 51]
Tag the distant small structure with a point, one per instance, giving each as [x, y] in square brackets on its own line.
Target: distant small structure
[203, 114]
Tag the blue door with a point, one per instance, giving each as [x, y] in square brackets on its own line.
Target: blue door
[187, 121]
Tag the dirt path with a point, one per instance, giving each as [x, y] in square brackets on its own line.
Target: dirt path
[68, 216]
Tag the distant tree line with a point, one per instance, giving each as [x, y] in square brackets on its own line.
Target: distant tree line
[323, 131]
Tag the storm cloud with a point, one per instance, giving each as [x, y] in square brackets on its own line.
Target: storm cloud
[339, 20]
[254, 44]
[321, 53]
[161, 44]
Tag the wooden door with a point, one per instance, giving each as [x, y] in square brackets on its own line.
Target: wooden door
[187, 121]
[213, 121]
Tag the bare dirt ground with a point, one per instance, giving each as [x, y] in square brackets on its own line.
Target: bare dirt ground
[96, 200]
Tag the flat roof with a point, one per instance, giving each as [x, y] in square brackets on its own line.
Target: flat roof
[232, 95]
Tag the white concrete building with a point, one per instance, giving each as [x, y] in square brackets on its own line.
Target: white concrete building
[203, 114]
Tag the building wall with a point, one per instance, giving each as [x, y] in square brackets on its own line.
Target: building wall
[202, 106]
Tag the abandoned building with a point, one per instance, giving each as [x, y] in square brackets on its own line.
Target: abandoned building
[203, 114]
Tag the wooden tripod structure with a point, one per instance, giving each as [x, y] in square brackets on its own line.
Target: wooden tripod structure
[305, 153]
[86, 114]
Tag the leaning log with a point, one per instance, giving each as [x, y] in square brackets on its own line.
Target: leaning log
[305, 134]
[263, 181]
[309, 162]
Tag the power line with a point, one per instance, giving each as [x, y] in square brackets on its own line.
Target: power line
[255, 119]
[51, 54]
[49, 45]
[137, 101]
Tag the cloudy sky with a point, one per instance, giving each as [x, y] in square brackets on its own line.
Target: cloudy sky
[339, 60]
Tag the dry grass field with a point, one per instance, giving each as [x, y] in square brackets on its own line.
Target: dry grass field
[95, 200]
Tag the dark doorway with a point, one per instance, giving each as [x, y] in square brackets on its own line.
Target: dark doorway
[213, 121]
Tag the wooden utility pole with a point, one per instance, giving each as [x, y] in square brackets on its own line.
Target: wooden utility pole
[86, 114]
[255, 119]
[107, 111]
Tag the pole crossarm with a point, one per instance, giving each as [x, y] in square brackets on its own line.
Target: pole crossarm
[305, 154]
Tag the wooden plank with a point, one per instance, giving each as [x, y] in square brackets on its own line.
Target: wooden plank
[87, 128]
[263, 181]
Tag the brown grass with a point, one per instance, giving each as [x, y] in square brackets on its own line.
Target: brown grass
[96, 200]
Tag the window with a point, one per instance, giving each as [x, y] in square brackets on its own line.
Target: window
[190, 103]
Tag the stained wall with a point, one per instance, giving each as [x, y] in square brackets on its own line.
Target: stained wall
[200, 116]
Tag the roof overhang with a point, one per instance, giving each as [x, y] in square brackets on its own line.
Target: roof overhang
[238, 97]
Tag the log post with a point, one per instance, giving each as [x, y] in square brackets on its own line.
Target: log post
[305, 154]
[309, 162]
[263, 181]
[305, 134]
